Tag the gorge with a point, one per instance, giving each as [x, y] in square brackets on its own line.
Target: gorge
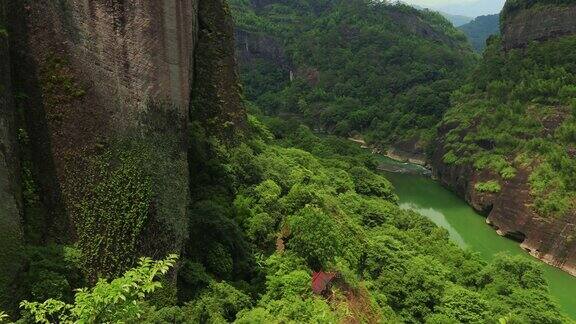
[459, 158]
[187, 161]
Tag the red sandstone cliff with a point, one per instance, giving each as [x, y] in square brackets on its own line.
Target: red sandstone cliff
[92, 70]
[510, 211]
[91, 80]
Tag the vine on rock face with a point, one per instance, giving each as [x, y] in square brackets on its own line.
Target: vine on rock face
[114, 216]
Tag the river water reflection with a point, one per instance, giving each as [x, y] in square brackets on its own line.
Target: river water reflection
[466, 227]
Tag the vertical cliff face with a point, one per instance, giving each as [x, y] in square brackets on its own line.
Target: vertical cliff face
[105, 90]
[216, 101]
[511, 211]
[521, 27]
[132, 51]
[10, 192]
[106, 79]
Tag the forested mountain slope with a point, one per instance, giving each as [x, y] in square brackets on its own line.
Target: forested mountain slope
[122, 139]
[480, 29]
[383, 70]
[508, 144]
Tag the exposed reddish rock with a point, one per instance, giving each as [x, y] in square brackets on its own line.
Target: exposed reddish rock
[547, 238]
[510, 211]
[311, 75]
[97, 73]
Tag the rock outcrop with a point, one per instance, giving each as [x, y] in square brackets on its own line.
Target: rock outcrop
[549, 239]
[109, 90]
[217, 102]
[538, 23]
[510, 211]
[253, 46]
[97, 73]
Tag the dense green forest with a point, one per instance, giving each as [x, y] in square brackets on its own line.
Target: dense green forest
[289, 196]
[522, 106]
[268, 212]
[480, 29]
[380, 69]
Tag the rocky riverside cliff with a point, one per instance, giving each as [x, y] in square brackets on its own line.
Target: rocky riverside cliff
[96, 101]
[511, 208]
[511, 211]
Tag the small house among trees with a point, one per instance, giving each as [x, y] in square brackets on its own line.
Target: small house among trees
[321, 281]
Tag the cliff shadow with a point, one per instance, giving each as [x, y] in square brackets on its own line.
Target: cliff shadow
[45, 218]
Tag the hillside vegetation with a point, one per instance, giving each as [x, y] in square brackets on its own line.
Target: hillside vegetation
[380, 69]
[456, 20]
[518, 112]
[265, 215]
[480, 29]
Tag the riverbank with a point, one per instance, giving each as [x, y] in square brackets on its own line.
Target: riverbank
[468, 228]
[393, 153]
[407, 163]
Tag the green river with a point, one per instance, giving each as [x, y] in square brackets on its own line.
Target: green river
[466, 227]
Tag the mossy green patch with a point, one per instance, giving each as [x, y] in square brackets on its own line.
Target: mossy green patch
[10, 253]
[58, 83]
[113, 216]
[489, 186]
[138, 190]
[34, 210]
[216, 100]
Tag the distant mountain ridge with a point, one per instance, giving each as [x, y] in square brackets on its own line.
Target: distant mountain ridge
[479, 29]
[456, 20]
[473, 9]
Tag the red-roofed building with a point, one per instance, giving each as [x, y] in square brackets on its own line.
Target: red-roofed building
[321, 280]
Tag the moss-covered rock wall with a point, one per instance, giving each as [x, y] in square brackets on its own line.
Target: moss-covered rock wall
[110, 74]
[103, 102]
[537, 21]
[216, 100]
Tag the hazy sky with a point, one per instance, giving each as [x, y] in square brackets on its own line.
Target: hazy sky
[439, 2]
[462, 7]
